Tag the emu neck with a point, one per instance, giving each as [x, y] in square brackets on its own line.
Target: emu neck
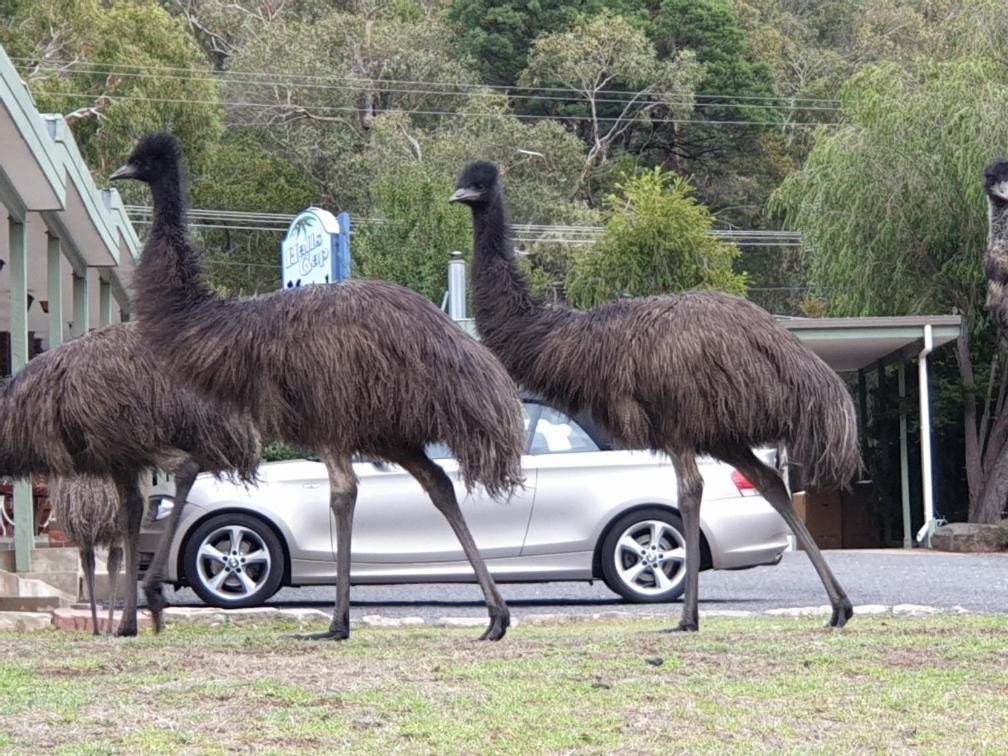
[512, 322]
[169, 278]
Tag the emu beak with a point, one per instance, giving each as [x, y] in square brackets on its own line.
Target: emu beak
[464, 195]
[124, 172]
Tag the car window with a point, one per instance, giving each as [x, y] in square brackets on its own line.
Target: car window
[555, 433]
[441, 451]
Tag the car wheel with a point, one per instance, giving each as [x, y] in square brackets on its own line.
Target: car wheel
[644, 556]
[234, 560]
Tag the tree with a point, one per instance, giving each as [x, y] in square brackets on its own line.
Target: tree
[415, 232]
[605, 53]
[241, 176]
[892, 208]
[105, 66]
[655, 241]
[497, 34]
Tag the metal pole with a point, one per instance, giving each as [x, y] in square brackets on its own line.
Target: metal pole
[456, 287]
[24, 507]
[54, 285]
[925, 431]
[904, 461]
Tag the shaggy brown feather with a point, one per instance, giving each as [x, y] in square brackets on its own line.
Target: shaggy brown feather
[695, 372]
[356, 368]
[359, 367]
[996, 257]
[101, 405]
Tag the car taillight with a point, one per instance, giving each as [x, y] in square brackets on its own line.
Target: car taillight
[743, 484]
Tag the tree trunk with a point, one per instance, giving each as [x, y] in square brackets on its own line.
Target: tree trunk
[995, 491]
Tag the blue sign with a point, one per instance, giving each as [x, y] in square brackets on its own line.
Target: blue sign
[316, 249]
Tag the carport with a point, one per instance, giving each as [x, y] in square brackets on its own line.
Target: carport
[860, 345]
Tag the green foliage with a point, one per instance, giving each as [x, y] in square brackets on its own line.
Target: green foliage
[497, 34]
[891, 204]
[712, 29]
[137, 33]
[418, 229]
[656, 241]
[239, 175]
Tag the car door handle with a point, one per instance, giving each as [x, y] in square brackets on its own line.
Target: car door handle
[310, 485]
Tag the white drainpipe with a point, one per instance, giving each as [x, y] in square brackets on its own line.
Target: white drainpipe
[925, 436]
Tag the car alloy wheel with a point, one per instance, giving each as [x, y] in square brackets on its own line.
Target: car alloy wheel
[234, 560]
[644, 556]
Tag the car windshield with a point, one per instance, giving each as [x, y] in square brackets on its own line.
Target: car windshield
[556, 433]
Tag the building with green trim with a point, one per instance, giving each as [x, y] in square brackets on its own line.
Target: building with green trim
[66, 249]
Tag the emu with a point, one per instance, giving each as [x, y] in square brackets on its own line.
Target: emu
[691, 374]
[101, 405]
[996, 258]
[355, 368]
[87, 507]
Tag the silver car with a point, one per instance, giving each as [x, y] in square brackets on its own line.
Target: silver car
[586, 512]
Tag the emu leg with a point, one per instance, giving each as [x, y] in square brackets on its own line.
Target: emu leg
[770, 484]
[130, 514]
[87, 559]
[441, 491]
[185, 476]
[690, 493]
[342, 500]
[112, 565]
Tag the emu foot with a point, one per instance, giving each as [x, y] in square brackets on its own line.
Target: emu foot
[127, 629]
[156, 604]
[337, 632]
[841, 613]
[683, 627]
[500, 621]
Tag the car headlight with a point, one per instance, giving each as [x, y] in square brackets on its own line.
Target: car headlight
[160, 507]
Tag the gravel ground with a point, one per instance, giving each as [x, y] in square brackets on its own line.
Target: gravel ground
[977, 582]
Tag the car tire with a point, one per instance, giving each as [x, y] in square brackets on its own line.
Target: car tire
[233, 560]
[631, 567]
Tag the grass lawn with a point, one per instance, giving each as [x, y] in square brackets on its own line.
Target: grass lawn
[938, 684]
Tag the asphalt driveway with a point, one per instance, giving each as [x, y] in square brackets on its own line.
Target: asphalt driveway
[977, 582]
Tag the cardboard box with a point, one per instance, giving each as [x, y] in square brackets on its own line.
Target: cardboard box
[822, 513]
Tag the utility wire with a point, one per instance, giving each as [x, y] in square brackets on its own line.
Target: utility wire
[722, 101]
[296, 109]
[412, 82]
[238, 220]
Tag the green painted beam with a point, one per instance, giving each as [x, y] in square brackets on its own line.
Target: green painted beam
[54, 286]
[81, 305]
[104, 302]
[24, 508]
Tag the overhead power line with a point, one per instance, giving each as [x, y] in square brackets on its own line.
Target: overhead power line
[381, 85]
[411, 82]
[300, 109]
[237, 220]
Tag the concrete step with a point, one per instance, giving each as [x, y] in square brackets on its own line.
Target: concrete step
[31, 603]
[16, 588]
[62, 559]
[63, 581]
[22, 620]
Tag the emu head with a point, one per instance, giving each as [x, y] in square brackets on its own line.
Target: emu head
[155, 155]
[478, 184]
[996, 182]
